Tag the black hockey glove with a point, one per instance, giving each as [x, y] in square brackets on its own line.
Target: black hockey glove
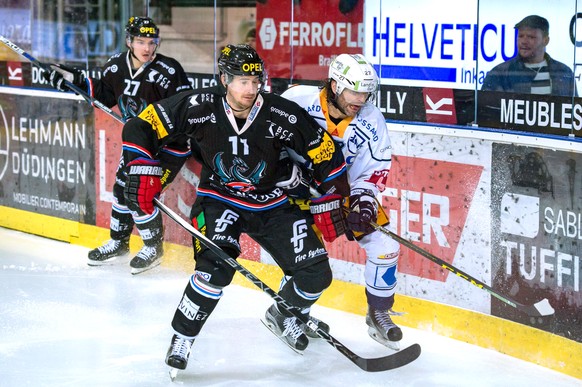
[60, 73]
[362, 211]
[143, 184]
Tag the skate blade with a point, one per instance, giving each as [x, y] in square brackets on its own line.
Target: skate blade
[106, 262]
[394, 345]
[173, 373]
[135, 271]
[273, 329]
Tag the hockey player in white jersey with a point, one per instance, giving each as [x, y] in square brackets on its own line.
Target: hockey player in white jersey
[344, 107]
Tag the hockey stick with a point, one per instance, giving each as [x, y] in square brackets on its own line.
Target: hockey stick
[385, 363]
[540, 308]
[92, 101]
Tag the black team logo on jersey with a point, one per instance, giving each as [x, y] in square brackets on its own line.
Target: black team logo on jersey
[129, 107]
[238, 176]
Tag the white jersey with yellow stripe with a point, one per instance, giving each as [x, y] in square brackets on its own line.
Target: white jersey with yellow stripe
[364, 138]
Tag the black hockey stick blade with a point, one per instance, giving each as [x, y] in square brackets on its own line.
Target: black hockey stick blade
[390, 362]
[540, 308]
[385, 363]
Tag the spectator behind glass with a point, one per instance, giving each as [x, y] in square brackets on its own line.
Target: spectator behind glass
[251, 38]
[532, 71]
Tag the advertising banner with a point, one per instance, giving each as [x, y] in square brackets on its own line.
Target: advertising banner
[536, 201]
[530, 113]
[430, 209]
[506, 214]
[46, 158]
[300, 39]
[454, 43]
[426, 104]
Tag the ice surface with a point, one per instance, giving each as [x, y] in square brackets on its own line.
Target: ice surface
[63, 323]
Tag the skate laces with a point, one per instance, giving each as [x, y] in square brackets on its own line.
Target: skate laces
[181, 347]
[147, 252]
[292, 329]
[384, 319]
[110, 246]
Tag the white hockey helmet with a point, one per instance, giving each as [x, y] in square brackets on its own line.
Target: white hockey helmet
[354, 72]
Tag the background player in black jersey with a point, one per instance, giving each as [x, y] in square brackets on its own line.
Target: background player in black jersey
[241, 135]
[132, 80]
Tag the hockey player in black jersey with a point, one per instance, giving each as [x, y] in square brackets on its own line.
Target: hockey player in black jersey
[132, 80]
[241, 136]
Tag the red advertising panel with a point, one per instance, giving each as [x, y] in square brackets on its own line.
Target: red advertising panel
[15, 76]
[428, 202]
[439, 105]
[429, 205]
[299, 39]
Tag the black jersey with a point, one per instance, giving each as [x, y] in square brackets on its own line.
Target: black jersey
[241, 162]
[133, 90]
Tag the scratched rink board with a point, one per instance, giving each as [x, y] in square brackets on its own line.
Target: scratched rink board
[536, 207]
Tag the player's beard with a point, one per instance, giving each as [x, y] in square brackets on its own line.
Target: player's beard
[245, 102]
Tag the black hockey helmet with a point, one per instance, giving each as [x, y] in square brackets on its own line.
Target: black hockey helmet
[240, 59]
[142, 26]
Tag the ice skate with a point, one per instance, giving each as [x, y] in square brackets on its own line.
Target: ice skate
[107, 253]
[178, 354]
[147, 258]
[288, 329]
[310, 332]
[382, 329]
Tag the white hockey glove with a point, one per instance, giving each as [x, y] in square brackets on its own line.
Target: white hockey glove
[60, 73]
[294, 185]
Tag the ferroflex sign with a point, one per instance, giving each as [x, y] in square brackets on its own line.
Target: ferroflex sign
[318, 29]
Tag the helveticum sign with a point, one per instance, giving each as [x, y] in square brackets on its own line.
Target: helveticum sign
[454, 43]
